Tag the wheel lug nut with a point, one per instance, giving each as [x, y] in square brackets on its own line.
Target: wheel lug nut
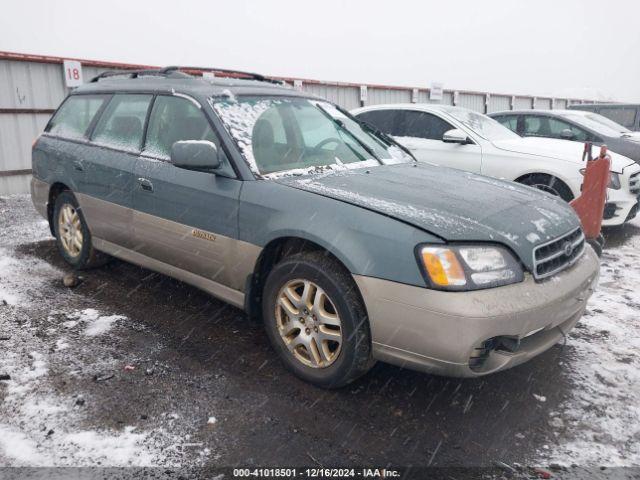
[307, 331]
[315, 329]
[301, 320]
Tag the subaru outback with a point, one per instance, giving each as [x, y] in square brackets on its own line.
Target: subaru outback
[284, 205]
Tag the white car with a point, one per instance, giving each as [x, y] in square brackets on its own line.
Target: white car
[460, 138]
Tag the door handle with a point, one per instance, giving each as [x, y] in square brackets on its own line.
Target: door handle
[145, 184]
[77, 165]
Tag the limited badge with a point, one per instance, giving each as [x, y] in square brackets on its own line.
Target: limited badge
[203, 235]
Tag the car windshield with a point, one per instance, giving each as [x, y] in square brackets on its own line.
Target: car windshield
[290, 135]
[486, 127]
[599, 124]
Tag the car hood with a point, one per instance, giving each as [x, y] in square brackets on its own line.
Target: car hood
[565, 150]
[452, 204]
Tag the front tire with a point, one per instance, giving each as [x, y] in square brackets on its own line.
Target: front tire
[316, 320]
[549, 184]
[72, 234]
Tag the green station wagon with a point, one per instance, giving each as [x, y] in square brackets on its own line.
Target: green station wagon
[284, 205]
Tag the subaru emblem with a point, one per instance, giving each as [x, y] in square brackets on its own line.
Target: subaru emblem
[568, 249]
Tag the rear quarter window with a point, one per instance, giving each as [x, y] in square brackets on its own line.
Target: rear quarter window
[75, 115]
[121, 125]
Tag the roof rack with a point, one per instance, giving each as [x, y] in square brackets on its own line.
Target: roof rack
[136, 74]
[177, 71]
[239, 73]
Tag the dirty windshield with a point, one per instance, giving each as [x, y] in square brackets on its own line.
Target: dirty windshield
[285, 135]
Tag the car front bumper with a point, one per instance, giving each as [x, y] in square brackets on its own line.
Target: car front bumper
[441, 332]
[622, 204]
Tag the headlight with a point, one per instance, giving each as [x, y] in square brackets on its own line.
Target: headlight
[614, 179]
[468, 267]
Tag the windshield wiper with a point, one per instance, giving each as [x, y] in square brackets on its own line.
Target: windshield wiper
[342, 127]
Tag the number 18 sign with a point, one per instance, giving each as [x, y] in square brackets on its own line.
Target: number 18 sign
[72, 73]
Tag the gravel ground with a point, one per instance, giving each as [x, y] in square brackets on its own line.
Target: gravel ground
[132, 368]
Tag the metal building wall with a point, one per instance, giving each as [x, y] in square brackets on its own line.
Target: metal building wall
[472, 101]
[32, 86]
[346, 97]
[522, 103]
[498, 103]
[376, 96]
[543, 103]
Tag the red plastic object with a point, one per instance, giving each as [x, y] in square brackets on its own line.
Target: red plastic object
[590, 204]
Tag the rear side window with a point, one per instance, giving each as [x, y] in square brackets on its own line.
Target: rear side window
[625, 116]
[122, 123]
[175, 119]
[539, 126]
[74, 116]
[423, 125]
[383, 120]
[557, 126]
[511, 122]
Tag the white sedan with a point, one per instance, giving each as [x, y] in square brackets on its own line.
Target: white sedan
[460, 138]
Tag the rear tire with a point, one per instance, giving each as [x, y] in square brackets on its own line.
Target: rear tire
[312, 292]
[549, 184]
[72, 234]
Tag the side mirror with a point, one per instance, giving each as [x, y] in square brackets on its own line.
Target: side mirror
[455, 136]
[195, 155]
[567, 134]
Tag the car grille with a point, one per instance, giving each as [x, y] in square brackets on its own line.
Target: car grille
[558, 254]
[634, 183]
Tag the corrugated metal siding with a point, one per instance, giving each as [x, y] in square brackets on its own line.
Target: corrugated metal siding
[15, 184]
[346, 97]
[17, 133]
[543, 103]
[472, 101]
[560, 104]
[447, 98]
[377, 96]
[31, 85]
[498, 103]
[523, 103]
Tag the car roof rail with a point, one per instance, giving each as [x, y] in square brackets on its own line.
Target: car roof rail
[137, 73]
[241, 74]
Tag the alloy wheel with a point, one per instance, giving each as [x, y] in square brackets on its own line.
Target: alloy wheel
[70, 230]
[308, 323]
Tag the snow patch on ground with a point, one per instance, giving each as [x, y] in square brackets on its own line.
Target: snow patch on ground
[600, 423]
[96, 324]
[17, 287]
[40, 422]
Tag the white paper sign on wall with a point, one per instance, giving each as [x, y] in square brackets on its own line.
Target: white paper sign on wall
[435, 92]
[414, 95]
[208, 75]
[363, 93]
[72, 73]
[297, 84]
